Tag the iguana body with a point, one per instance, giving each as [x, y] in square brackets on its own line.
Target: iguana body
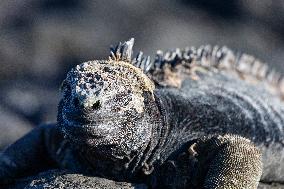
[145, 122]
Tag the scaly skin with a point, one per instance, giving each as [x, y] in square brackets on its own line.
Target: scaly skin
[211, 163]
[141, 118]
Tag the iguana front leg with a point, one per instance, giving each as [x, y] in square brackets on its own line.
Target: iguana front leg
[30, 154]
[227, 161]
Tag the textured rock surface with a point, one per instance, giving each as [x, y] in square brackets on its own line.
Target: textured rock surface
[64, 180]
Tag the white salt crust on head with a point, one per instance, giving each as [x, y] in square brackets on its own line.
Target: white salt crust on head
[101, 80]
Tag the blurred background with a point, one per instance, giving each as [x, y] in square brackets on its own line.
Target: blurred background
[40, 40]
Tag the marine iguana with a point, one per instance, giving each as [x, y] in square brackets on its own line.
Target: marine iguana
[189, 119]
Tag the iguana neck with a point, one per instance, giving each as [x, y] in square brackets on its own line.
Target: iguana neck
[167, 142]
[145, 160]
[155, 154]
[159, 136]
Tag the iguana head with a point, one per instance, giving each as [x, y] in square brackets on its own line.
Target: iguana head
[106, 106]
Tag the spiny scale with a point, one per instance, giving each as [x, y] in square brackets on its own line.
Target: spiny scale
[142, 62]
[221, 58]
[123, 52]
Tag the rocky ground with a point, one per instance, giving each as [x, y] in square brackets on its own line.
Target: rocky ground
[40, 40]
[62, 179]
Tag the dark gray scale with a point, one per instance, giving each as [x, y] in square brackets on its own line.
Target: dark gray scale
[240, 106]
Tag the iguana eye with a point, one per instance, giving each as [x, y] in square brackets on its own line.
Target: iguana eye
[96, 105]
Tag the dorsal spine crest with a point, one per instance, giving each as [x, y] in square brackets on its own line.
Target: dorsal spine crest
[221, 58]
[123, 51]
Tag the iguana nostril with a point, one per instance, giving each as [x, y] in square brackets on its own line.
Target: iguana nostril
[96, 105]
[86, 105]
